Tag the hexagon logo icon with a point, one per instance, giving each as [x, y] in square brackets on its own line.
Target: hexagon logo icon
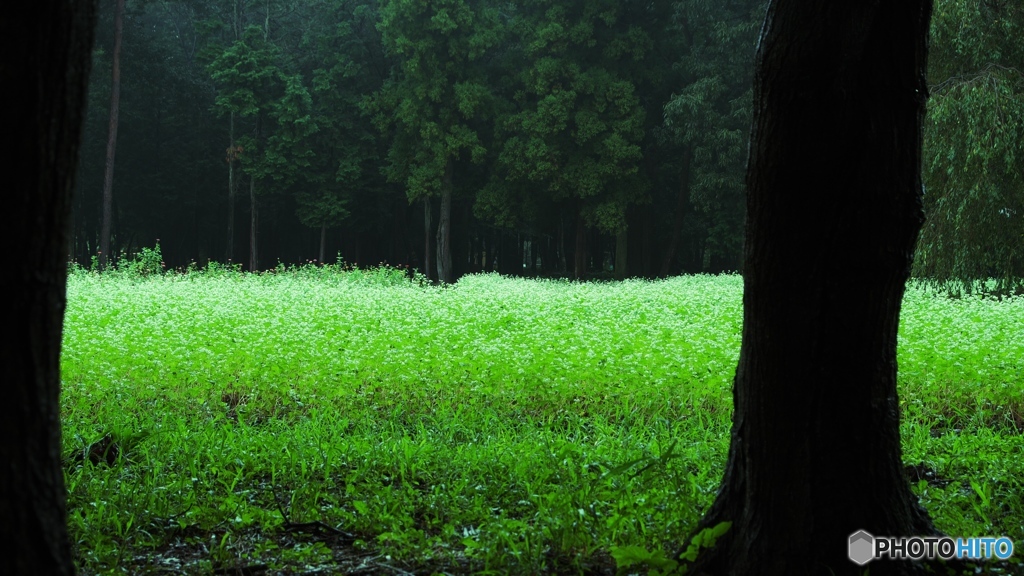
[861, 547]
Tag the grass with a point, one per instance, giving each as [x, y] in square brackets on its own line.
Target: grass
[355, 422]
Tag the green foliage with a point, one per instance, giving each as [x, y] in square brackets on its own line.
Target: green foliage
[539, 109]
[216, 269]
[438, 92]
[709, 117]
[246, 73]
[381, 275]
[254, 81]
[973, 165]
[657, 561]
[573, 121]
[288, 152]
[494, 425]
[340, 47]
[660, 564]
[146, 262]
[704, 539]
[325, 206]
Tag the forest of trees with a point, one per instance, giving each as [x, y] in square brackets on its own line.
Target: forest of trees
[582, 138]
[553, 162]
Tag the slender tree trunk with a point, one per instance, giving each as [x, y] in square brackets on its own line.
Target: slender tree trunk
[462, 239]
[563, 266]
[72, 239]
[677, 221]
[115, 104]
[323, 241]
[427, 260]
[399, 250]
[645, 246]
[580, 257]
[254, 260]
[490, 250]
[531, 255]
[494, 250]
[833, 212]
[444, 227]
[232, 157]
[621, 251]
[472, 263]
[506, 257]
[520, 263]
[229, 253]
[47, 48]
[642, 253]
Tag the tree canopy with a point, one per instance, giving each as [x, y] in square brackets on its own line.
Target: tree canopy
[554, 138]
[973, 161]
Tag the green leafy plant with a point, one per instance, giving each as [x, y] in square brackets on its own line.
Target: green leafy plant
[146, 262]
[632, 556]
[662, 565]
[703, 540]
[497, 424]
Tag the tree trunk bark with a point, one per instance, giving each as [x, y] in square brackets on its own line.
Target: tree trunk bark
[399, 250]
[833, 212]
[254, 259]
[621, 253]
[229, 253]
[427, 260]
[579, 270]
[646, 243]
[506, 254]
[520, 258]
[115, 105]
[563, 266]
[444, 227]
[323, 241]
[47, 51]
[529, 252]
[232, 157]
[677, 221]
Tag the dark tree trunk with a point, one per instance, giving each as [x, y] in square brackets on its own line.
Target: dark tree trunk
[399, 250]
[621, 254]
[677, 220]
[833, 211]
[520, 256]
[229, 252]
[634, 241]
[232, 158]
[323, 242]
[563, 266]
[530, 255]
[46, 51]
[462, 240]
[506, 254]
[647, 249]
[427, 260]
[254, 258]
[444, 227]
[501, 256]
[115, 106]
[579, 270]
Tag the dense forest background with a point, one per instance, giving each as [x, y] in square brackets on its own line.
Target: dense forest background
[579, 138]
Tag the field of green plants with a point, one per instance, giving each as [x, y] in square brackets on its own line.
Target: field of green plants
[350, 421]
